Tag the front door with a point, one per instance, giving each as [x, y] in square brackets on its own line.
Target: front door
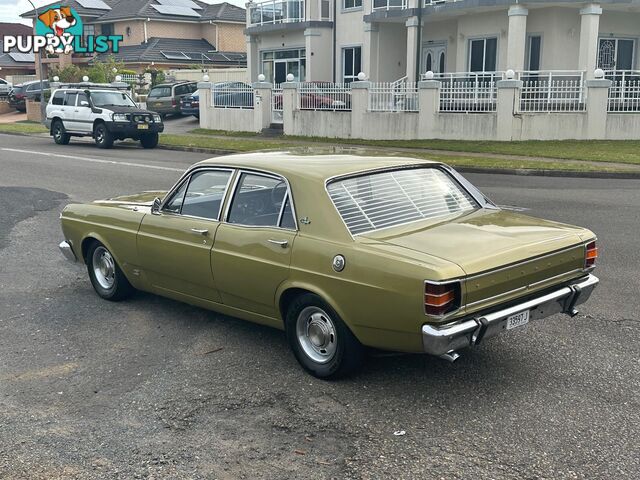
[174, 247]
[434, 57]
[252, 250]
[82, 114]
[280, 74]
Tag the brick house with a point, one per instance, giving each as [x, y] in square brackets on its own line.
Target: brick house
[162, 33]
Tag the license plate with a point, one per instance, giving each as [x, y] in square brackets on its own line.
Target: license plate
[143, 126]
[187, 104]
[159, 104]
[518, 320]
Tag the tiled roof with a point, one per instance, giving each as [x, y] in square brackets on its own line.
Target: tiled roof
[15, 29]
[176, 52]
[7, 60]
[130, 9]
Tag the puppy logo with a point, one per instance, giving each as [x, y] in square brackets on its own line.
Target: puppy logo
[61, 23]
[58, 19]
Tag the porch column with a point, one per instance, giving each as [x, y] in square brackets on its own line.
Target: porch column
[413, 31]
[254, 66]
[371, 50]
[589, 28]
[517, 38]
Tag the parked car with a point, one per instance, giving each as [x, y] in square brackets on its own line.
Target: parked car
[5, 87]
[106, 114]
[28, 90]
[165, 98]
[323, 96]
[232, 95]
[190, 105]
[341, 252]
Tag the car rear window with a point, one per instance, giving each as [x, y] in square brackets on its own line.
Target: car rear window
[385, 199]
[160, 92]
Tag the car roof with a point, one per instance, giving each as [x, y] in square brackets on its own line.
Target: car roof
[316, 166]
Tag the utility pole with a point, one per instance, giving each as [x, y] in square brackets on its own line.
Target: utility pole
[42, 105]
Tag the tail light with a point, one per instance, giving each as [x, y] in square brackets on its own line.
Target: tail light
[173, 102]
[591, 254]
[441, 298]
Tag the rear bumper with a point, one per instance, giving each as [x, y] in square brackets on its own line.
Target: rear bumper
[190, 110]
[442, 339]
[67, 251]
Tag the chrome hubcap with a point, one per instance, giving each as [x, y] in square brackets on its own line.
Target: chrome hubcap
[316, 334]
[99, 135]
[57, 132]
[104, 268]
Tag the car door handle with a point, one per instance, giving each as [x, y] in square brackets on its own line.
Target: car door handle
[201, 231]
[282, 243]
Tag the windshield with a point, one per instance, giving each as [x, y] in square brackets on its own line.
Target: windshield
[373, 201]
[112, 99]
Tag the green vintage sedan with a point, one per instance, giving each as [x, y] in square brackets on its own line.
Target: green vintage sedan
[341, 252]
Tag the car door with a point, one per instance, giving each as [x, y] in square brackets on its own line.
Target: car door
[82, 114]
[174, 246]
[67, 111]
[252, 249]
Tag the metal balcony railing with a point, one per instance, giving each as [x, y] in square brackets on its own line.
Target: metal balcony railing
[552, 91]
[389, 4]
[277, 11]
[624, 93]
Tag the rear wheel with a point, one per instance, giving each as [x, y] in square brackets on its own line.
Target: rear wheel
[320, 340]
[106, 277]
[149, 140]
[60, 136]
[102, 136]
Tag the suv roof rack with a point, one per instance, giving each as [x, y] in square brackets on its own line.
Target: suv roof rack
[103, 86]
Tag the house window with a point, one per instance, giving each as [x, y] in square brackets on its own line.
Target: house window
[108, 29]
[351, 64]
[482, 54]
[347, 4]
[534, 44]
[277, 64]
[616, 53]
[86, 31]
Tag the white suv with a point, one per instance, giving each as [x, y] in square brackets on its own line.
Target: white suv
[106, 114]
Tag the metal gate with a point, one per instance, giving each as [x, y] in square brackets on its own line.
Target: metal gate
[276, 103]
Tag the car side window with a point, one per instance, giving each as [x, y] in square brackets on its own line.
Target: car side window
[257, 200]
[287, 220]
[174, 205]
[70, 99]
[205, 194]
[82, 97]
[58, 98]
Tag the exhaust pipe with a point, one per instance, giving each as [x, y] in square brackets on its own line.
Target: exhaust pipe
[450, 357]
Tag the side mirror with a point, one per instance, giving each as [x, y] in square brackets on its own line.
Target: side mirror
[84, 103]
[155, 208]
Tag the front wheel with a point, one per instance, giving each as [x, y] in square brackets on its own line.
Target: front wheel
[106, 277]
[149, 140]
[320, 340]
[102, 136]
[60, 136]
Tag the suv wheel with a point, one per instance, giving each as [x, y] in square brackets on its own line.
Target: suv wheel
[60, 136]
[149, 140]
[102, 136]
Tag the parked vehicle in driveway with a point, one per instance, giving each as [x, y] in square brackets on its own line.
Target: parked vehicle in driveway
[5, 88]
[165, 98]
[232, 95]
[190, 105]
[27, 90]
[106, 114]
[341, 252]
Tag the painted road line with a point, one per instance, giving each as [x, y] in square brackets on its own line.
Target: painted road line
[94, 160]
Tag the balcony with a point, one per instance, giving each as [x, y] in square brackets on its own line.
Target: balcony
[277, 12]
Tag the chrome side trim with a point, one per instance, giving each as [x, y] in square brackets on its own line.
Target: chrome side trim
[67, 251]
[441, 339]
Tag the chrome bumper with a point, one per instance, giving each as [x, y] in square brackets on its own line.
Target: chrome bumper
[443, 339]
[67, 251]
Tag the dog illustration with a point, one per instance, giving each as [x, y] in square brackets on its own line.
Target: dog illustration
[58, 19]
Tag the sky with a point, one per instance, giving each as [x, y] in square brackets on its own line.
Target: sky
[10, 10]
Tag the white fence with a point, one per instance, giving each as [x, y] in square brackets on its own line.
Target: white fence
[235, 95]
[468, 92]
[624, 94]
[552, 91]
[324, 96]
[393, 97]
[276, 104]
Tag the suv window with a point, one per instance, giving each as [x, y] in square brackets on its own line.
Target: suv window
[82, 97]
[205, 194]
[258, 201]
[70, 99]
[182, 89]
[160, 92]
[58, 98]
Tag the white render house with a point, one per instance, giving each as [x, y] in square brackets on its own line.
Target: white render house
[334, 40]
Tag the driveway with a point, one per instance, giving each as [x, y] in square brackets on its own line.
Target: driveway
[152, 388]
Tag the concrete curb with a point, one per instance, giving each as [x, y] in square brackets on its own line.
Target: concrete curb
[498, 171]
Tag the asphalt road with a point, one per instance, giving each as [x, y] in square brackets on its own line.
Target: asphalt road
[151, 388]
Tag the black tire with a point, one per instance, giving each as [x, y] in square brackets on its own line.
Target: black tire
[102, 136]
[149, 140]
[106, 277]
[343, 353]
[60, 135]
